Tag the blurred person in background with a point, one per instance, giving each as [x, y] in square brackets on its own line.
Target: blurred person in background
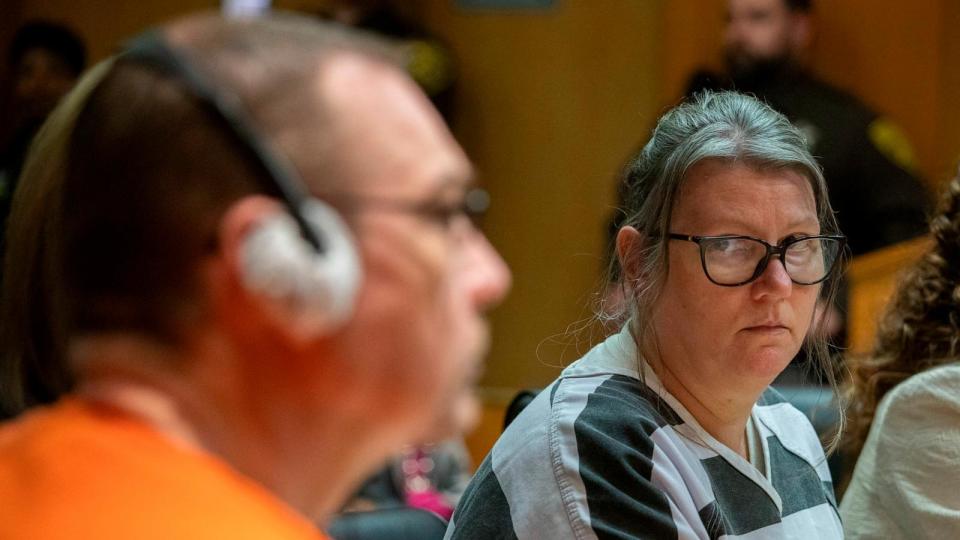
[866, 159]
[44, 61]
[429, 476]
[905, 401]
[261, 275]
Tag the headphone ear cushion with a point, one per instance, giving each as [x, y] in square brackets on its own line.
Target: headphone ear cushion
[312, 292]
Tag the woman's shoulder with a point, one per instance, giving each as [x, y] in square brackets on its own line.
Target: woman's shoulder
[925, 399]
[905, 479]
[926, 402]
[784, 420]
[611, 400]
[936, 385]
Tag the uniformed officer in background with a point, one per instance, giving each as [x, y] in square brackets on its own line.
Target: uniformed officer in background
[867, 161]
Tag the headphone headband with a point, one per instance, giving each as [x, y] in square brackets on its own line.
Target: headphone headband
[151, 49]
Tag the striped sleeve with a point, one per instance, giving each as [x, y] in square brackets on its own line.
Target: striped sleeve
[484, 505]
[616, 466]
[591, 458]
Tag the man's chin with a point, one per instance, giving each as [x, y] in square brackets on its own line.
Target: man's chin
[748, 71]
[466, 412]
[458, 418]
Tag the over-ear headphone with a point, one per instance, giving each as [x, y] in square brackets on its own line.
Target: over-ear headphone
[302, 264]
[315, 289]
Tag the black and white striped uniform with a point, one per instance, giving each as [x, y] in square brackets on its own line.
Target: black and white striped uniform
[601, 454]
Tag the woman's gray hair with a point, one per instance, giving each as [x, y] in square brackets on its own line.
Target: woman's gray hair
[725, 126]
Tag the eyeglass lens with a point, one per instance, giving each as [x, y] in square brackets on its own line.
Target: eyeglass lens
[731, 261]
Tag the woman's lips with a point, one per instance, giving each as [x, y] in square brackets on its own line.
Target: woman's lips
[770, 329]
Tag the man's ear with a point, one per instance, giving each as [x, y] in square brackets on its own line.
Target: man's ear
[238, 222]
[307, 293]
[630, 244]
[226, 276]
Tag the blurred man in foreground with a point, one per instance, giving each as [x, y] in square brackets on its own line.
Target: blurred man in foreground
[269, 284]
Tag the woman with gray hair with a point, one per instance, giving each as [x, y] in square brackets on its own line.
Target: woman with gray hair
[668, 428]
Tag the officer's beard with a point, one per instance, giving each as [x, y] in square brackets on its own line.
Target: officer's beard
[754, 75]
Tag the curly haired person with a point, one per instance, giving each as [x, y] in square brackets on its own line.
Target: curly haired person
[905, 403]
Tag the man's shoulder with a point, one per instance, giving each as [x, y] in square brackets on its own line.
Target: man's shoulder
[822, 91]
[97, 476]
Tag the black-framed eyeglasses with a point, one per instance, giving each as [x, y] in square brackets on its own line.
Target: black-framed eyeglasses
[473, 206]
[731, 261]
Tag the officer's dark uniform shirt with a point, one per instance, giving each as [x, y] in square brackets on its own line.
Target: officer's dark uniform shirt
[866, 160]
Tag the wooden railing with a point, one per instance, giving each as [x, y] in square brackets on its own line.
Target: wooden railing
[872, 279]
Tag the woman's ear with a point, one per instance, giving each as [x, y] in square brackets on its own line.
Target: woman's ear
[630, 244]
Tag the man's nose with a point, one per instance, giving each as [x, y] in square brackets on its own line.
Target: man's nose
[491, 277]
[733, 33]
[28, 85]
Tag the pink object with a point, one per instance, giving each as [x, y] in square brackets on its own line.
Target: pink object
[430, 500]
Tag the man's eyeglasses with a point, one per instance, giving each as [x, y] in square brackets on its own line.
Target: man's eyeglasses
[731, 261]
[473, 206]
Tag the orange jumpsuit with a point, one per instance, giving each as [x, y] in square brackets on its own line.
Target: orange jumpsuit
[78, 471]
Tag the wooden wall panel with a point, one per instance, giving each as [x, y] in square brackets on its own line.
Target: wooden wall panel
[692, 39]
[550, 104]
[872, 280]
[948, 110]
[887, 52]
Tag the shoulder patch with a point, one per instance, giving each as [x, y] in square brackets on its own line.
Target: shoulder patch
[429, 64]
[891, 142]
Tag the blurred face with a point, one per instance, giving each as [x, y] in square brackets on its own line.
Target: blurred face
[41, 79]
[735, 338]
[418, 337]
[758, 31]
